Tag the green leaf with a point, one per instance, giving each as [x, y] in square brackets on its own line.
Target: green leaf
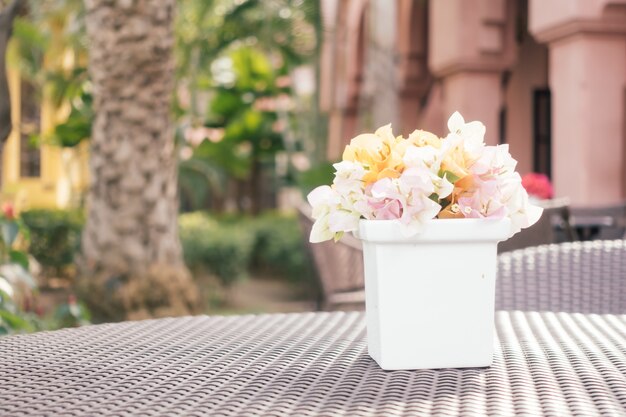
[14, 321]
[226, 103]
[19, 258]
[449, 175]
[9, 232]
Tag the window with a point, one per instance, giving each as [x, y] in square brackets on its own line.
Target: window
[542, 132]
[502, 124]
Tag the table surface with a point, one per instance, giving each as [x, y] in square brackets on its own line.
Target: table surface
[311, 364]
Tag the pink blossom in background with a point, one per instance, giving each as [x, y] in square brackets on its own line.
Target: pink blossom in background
[538, 186]
[8, 211]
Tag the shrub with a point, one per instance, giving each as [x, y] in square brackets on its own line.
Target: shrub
[12, 318]
[315, 176]
[54, 235]
[230, 245]
[223, 249]
[279, 246]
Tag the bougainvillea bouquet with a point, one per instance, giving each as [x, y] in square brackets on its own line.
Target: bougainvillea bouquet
[419, 178]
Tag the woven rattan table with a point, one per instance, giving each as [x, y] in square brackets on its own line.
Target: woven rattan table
[312, 364]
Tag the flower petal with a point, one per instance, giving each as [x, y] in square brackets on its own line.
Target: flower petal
[455, 122]
[320, 231]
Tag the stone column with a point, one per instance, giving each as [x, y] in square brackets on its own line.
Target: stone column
[471, 44]
[587, 77]
[477, 95]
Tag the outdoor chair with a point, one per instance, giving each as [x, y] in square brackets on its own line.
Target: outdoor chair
[575, 277]
[553, 227]
[603, 222]
[339, 267]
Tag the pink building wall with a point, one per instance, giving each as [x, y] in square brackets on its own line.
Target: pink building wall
[423, 60]
[529, 72]
[587, 76]
[587, 79]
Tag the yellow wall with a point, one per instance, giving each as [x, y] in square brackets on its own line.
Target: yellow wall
[64, 172]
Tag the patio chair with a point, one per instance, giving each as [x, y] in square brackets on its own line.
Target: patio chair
[552, 227]
[339, 267]
[602, 222]
[574, 277]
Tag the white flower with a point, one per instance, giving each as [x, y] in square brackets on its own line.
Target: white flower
[472, 133]
[320, 231]
[444, 186]
[322, 199]
[422, 156]
[343, 221]
[337, 209]
[348, 177]
[405, 198]
[515, 198]
[494, 159]
[385, 132]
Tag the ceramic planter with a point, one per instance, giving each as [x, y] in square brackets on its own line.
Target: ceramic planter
[430, 297]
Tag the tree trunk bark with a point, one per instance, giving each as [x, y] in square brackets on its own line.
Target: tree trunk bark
[255, 184]
[132, 263]
[7, 15]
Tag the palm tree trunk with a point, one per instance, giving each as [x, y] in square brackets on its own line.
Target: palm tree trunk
[132, 264]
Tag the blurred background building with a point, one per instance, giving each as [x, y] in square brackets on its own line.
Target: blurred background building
[39, 174]
[546, 77]
[265, 95]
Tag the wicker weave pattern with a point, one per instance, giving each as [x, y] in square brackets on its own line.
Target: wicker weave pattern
[312, 364]
[578, 277]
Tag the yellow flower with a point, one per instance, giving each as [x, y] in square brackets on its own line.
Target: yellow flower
[456, 160]
[424, 138]
[379, 153]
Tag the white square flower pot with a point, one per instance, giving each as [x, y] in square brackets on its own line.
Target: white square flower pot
[430, 297]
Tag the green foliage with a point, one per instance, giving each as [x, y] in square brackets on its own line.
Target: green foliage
[52, 32]
[222, 249]
[234, 53]
[18, 257]
[206, 28]
[30, 44]
[71, 314]
[231, 245]
[10, 229]
[449, 175]
[280, 246]
[54, 235]
[248, 132]
[321, 174]
[12, 319]
[200, 184]
[77, 126]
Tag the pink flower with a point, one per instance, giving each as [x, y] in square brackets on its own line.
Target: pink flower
[484, 201]
[538, 185]
[405, 199]
[386, 209]
[385, 200]
[8, 211]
